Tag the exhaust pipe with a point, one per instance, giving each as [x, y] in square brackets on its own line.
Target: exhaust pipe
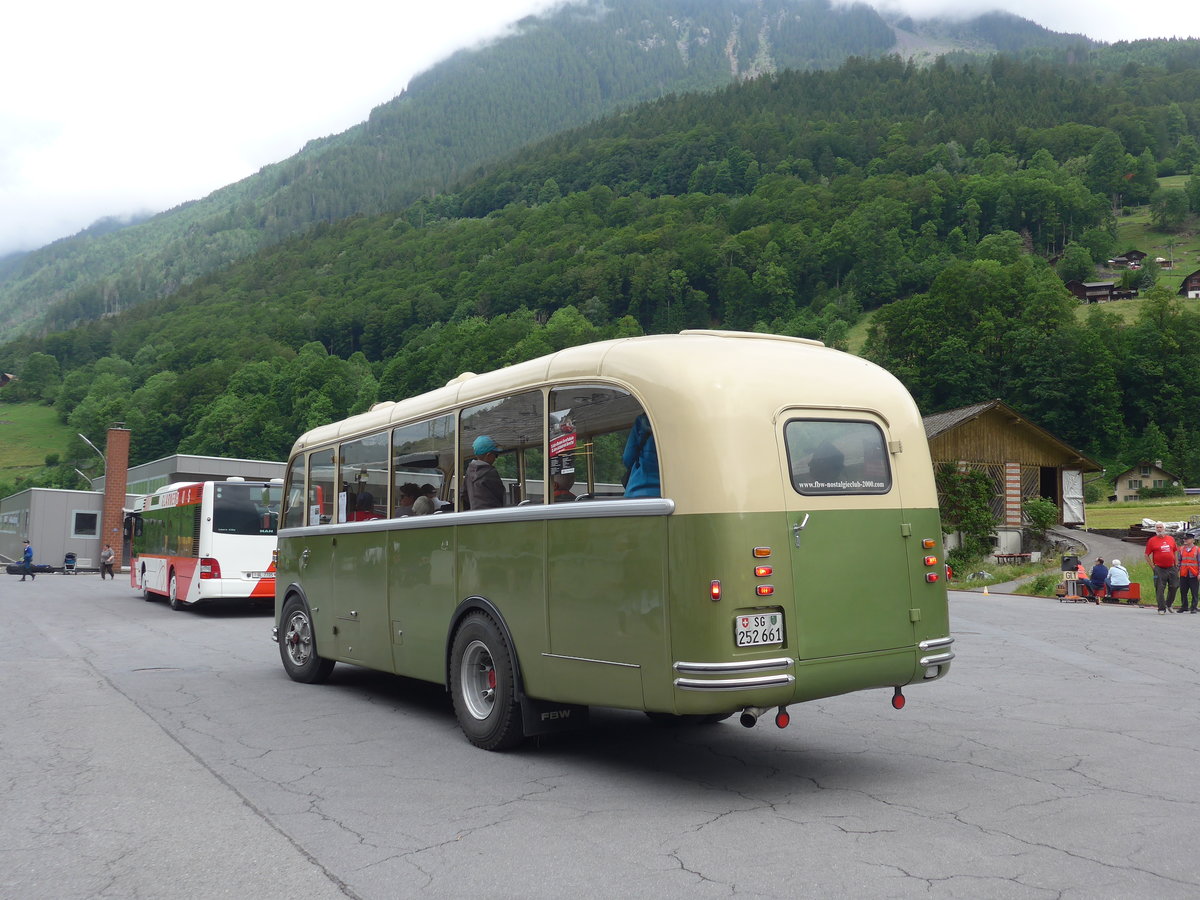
[750, 715]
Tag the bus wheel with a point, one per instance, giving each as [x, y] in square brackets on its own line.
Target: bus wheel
[146, 595]
[298, 646]
[670, 720]
[173, 592]
[482, 683]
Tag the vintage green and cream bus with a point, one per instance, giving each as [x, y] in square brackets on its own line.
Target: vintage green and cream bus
[692, 525]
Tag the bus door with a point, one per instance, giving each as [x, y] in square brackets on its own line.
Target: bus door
[848, 552]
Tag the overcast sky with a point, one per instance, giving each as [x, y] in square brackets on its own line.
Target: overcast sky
[139, 105]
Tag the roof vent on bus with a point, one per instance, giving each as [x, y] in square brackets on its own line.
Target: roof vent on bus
[465, 376]
[235, 478]
[383, 404]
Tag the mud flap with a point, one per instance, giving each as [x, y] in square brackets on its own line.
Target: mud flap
[545, 717]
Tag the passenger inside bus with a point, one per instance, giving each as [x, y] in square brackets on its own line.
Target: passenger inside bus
[484, 489]
[409, 494]
[641, 461]
[562, 487]
[826, 464]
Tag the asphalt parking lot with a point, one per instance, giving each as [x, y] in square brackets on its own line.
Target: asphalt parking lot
[163, 754]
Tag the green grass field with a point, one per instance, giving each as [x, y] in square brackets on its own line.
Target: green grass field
[1122, 515]
[28, 432]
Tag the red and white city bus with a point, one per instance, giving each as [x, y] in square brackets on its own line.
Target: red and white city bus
[205, 541]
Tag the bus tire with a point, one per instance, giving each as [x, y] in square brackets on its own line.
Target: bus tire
[483, 684]
[173, 592]
[147, 595]
[670, 720]
[298, 645]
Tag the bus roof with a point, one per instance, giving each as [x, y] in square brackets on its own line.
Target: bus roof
[659, 370]
[715, 399]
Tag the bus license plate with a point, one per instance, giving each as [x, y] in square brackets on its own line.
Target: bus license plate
[260, 575]
[760, 628]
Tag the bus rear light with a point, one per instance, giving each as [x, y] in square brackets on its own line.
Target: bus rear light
[209, 567]
[931, 577]
[714, 590]
[762, 552]
[764, 590]
[763, 571]
[928, 543]
[275, 557]
[931, 560]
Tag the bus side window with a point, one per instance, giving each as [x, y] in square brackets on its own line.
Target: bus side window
[513, 425]
[590, 429]
[423, 455]
[364, 468]
[322, 495]
[293, 494]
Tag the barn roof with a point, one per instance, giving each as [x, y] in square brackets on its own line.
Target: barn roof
[940, 423]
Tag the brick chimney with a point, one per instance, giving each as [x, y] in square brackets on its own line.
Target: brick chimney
[116, 479]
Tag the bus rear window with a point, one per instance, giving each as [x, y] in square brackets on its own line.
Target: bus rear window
[837, 457]
[246, 508]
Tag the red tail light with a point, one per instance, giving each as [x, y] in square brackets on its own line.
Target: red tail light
[931, 577]
[209, 567]
[714, 590]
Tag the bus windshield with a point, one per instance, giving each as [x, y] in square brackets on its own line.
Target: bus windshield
[246, 508]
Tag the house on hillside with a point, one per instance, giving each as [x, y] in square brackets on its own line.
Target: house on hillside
[1092, 291]
[1020, 458]
[1130, 259]
[1145, 474]
[1191, 286]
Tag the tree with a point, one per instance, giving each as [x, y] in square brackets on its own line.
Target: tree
[1076, 263]
[1168, 209]
[966, 509]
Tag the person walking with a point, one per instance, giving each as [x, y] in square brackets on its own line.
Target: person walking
[27, 559]
[1188, 558]
[107, 557]
[1160, 553]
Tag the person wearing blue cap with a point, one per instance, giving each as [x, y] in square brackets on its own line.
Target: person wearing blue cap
[485, 490]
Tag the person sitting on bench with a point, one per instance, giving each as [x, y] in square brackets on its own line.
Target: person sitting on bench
[1118, 578]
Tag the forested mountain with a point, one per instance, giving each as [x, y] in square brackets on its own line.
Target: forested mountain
[792, 203]
[551, 73]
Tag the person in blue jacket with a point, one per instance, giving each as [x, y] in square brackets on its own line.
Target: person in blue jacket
[641, 461]
[27, 558]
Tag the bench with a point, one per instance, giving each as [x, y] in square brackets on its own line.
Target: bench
[1131, 594]
[1012, 558]
[1078, 591]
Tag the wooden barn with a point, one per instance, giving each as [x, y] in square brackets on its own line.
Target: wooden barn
[1020, 458]
[1191, 285]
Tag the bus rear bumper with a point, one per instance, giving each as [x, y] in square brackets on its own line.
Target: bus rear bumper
[744, 675]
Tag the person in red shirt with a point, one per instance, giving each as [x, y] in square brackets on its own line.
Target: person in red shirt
[1160, 553]
[1189, 571]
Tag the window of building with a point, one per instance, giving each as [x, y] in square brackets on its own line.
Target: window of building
[1135, 484]
[85, 524]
